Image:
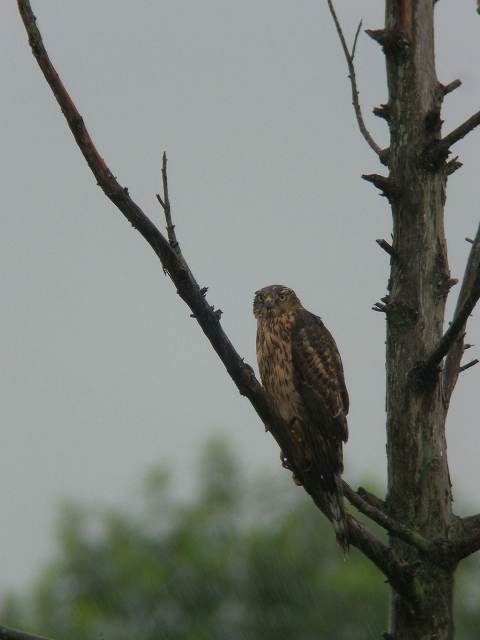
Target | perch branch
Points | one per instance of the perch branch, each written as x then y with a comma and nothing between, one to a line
454,357
353,80
241,373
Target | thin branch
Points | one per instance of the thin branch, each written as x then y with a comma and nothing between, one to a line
426,374
241,373
454,357
393,527
461,131
355,40
371,498
165,203
472,363
353,81
385,185
387,247
437,152
6,633
451,86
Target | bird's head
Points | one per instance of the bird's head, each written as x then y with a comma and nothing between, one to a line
272,301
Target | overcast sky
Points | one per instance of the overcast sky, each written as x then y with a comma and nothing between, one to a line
103,371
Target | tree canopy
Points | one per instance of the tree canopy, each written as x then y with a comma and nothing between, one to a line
209,567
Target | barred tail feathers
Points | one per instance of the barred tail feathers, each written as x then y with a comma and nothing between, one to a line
339,519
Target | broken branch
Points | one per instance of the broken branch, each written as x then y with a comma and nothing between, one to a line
386,247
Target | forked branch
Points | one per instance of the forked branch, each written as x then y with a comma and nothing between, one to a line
165,203
353,81
390,525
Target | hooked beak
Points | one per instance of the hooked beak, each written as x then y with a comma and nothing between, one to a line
269,302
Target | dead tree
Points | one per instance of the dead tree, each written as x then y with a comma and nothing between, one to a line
426,540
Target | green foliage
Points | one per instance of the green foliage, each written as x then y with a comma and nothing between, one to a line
245,560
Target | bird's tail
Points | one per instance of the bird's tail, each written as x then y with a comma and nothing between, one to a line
339,519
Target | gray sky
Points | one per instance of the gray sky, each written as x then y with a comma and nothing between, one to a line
104,373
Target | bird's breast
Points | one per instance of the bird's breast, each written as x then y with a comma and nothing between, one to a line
274,355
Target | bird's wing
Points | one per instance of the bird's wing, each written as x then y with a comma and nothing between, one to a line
318,373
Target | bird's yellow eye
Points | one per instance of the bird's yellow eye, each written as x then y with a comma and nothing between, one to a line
282,297
260,297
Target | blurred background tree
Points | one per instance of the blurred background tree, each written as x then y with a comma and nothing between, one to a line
247,559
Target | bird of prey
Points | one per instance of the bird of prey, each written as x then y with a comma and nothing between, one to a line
302,373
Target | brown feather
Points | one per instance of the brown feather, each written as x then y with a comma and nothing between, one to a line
302,373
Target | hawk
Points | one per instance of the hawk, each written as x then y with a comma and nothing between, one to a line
302,373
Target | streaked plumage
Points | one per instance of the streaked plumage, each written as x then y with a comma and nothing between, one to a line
302,373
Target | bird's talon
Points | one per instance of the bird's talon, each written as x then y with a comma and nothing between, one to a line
297,480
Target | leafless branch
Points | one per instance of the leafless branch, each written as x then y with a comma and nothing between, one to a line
464,542
454,357
453,165
437,152
451,86
6,633
385,185
461,131
401,575
241,373
387,247
371,498
353,81
165,203
472,363
427,373
393,527
470,541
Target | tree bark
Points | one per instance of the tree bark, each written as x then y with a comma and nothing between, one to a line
419,494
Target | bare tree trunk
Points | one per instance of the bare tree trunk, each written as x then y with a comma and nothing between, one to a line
418,479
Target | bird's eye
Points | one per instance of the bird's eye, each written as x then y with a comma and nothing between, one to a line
282,297
260,297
